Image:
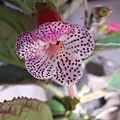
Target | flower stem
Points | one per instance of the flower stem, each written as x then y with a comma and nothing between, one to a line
70,91
85,5
90,22
51,88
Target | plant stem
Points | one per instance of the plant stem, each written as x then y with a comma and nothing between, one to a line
85,4
51,88
70,91
90,21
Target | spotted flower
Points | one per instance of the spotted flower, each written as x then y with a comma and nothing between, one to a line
55,49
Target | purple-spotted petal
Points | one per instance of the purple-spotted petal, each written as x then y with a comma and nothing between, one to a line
41,67
27,47
68,69
52,31
80,42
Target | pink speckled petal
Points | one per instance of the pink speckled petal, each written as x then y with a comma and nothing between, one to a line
68,69
80,42
52,31
41,67
27,47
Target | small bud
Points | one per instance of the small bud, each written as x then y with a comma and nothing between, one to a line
101,12
46,12
113,27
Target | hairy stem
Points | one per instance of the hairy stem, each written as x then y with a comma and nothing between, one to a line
70,91
85,5
51,88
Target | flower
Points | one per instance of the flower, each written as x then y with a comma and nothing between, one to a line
55,49
113,27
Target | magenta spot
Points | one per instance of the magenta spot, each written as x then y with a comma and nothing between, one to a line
72,63
74,75
83,48
75,63
74,79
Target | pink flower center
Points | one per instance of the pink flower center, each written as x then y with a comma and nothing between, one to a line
55,48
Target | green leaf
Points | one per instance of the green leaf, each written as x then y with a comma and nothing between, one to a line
10,74
12,23
26,5
48,4
16,19
13,2
114,81
110,42
57,3
7,44
113,38
69,103
75,101
29,5
56,107
25,109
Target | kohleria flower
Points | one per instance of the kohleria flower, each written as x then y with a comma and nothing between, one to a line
55,49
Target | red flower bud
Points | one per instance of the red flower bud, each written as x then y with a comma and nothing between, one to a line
113,27
47,13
